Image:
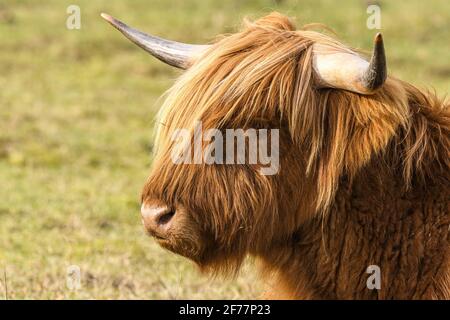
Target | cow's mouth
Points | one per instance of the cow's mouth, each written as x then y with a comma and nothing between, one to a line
156,235
161,239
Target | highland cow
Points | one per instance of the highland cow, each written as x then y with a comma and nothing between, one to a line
364,166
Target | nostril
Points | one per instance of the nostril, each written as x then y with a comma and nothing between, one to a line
157,218
166,217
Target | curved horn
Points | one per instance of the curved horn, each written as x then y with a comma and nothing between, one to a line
176,54
349,71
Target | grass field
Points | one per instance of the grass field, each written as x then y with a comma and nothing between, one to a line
76,116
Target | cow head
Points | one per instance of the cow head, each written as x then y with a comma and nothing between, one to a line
321,96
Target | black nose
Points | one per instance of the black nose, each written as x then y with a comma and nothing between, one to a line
157,219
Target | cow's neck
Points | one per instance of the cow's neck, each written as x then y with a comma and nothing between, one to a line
373,223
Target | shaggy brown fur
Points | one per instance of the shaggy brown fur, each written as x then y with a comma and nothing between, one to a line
364,180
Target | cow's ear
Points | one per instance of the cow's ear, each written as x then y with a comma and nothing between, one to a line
180,55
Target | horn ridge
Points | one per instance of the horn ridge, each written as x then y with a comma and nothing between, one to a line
176,54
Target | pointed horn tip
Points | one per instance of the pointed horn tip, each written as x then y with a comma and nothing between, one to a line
113,21
378,38
107,17
119,25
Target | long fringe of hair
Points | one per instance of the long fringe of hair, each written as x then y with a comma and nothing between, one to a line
264,73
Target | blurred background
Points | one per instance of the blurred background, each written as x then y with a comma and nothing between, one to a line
76,116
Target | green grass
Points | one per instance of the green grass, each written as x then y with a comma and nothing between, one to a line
76,115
